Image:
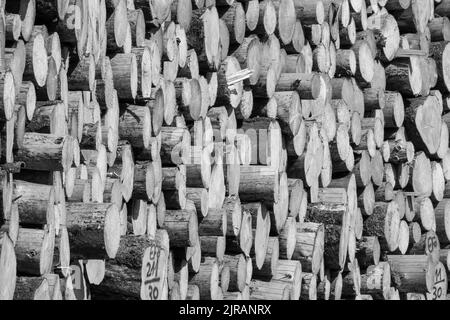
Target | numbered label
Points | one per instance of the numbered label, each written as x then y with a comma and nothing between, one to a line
154,270
432,246
439,291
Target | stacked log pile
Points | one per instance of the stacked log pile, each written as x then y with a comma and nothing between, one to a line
225,149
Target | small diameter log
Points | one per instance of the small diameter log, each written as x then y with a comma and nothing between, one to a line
258,182
309,246
271,290
287,238
244,240
427,245
36,58
125,75
182,227
308,86
213,247
174,185
336,245
32,288
440,51
34,250
200,198
402,78
261,230
230,93
398,151
175,145
368,251
290,272
309,286
214,224
234,18
442,217
336,286
135,125
81,77
394,110
34,201
376,281
420,178
269,267
351,283
248,56
238,271
207,279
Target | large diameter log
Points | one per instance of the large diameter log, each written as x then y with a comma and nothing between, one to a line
46,152
94,229
122,278
413,273
384,223
422,118
440,283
